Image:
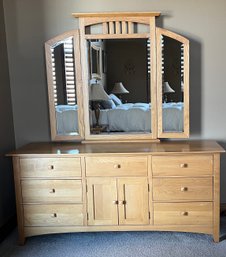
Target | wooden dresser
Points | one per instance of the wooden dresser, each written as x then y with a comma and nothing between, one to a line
166,186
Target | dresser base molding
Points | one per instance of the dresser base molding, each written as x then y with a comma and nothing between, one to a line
171,186
34,231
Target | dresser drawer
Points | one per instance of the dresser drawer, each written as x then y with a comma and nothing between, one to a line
51,191
50,167
197,189
53,215
182,165
183,213
116,166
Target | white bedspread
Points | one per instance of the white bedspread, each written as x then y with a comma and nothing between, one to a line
127,117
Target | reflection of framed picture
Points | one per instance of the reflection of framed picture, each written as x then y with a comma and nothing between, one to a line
95,61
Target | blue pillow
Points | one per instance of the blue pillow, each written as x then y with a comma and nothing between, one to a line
108,104
115,99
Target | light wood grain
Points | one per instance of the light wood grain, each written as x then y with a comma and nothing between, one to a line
183,165
116,166
101,201
51,191
169,189
133,201
115,14
78,84
32,231
53,215
216,204
50,167
161,134
19,206
192,213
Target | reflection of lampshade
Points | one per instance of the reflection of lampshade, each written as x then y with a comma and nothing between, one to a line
97,93
167,88
119,89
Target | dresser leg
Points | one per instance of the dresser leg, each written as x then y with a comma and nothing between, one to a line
216,237
21,240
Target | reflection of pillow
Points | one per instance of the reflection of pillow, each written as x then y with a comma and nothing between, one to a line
115,99
108,104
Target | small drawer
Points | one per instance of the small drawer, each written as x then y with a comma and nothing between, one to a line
116,166
53,215
51,191
50,167
182,165
194,213
197,189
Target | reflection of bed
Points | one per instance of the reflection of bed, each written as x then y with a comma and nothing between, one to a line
125,117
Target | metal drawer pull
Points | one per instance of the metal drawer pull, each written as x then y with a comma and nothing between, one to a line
54,215
52,191
184,189
115,202
51,167
122,202
117,166
184,213
184,165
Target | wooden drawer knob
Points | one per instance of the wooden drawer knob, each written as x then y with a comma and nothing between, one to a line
54,215
117,166
51,167
184,213
52,191
184,189
184,165
122,202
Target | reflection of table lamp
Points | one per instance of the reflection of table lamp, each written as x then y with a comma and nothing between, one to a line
119,89
97,94
167,89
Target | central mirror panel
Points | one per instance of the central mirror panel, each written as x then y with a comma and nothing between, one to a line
119,86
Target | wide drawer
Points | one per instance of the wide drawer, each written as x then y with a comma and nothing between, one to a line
199,189
182,165
50,167
53,215
194,213
116,166
51,191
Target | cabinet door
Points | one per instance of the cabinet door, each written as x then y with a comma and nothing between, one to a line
133,201
102,201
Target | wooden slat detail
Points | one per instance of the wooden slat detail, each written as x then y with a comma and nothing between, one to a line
130,27
117,27
124,27
113,36
105,28
116,14
111,27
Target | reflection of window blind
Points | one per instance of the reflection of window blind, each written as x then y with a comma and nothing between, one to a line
69,72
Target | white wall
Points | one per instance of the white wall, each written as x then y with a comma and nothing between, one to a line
29,23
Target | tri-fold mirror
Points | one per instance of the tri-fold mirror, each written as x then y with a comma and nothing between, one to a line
118,83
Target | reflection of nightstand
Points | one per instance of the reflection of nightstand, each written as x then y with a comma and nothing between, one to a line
99,129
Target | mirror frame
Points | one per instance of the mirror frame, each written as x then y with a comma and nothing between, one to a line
78,86
111,33
161,134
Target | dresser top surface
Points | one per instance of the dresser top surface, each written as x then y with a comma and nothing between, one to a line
204,146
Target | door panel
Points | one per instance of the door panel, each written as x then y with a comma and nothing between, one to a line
133,201
102,201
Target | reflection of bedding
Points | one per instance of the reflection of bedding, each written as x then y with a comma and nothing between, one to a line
67,119
127,117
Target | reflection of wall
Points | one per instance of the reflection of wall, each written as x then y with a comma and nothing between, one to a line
7,203
127,63
172,68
